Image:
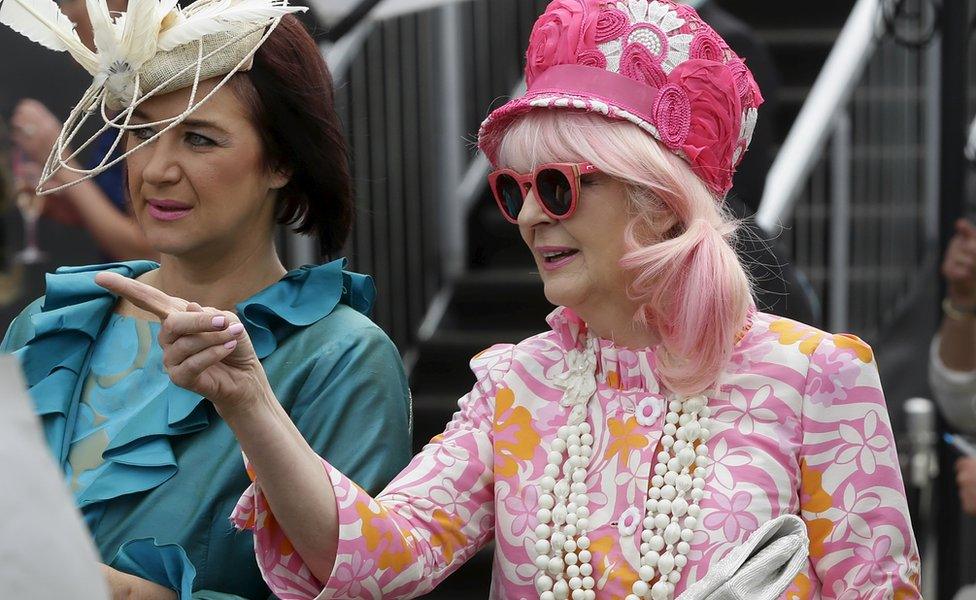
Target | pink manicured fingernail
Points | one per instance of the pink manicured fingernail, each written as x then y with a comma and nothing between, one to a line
235,328
219,322
229,345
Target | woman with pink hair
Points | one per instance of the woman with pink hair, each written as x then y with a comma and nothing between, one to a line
634,447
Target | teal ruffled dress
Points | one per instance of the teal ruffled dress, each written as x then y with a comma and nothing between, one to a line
153,468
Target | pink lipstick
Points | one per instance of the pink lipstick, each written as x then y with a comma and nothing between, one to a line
167,210
556,257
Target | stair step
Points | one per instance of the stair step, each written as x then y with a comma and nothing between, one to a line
511,297
493,241
804,36
770,15
442,363
799,65
431,414
492,277
471,582
906,213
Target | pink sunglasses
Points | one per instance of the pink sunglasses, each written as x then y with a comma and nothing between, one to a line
557,187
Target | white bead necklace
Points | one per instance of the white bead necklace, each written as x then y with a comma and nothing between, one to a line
672,505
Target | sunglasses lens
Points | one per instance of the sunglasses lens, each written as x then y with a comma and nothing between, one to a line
510,193
555,191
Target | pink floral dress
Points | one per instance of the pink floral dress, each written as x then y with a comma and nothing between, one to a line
799,426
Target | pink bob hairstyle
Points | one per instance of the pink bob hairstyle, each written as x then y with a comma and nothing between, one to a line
685,275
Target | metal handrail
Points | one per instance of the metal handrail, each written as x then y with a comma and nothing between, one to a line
832,91
351,20
355,28
971,142
339,54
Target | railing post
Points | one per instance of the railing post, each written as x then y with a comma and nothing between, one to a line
840,220
933,139
450,144
832,90
955,549
301,250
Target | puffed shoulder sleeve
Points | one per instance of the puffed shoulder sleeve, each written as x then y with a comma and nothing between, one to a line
432,517
853,498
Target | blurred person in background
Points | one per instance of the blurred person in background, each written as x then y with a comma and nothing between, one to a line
98,205
952,354
54,78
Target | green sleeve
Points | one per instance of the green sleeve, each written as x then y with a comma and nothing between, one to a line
354,408
21,329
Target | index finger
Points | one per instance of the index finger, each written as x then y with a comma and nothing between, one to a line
144,296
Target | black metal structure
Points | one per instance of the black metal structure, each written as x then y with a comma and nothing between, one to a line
956,563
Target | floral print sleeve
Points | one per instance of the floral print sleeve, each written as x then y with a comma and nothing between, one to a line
430,519
853,501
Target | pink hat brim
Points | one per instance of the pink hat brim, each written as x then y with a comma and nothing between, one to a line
573,87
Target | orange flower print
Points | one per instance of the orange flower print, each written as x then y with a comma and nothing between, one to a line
800,589
377,529
610,568
813,498
848,341
623,440
284,546
515,439
818,530
910,590
448,537
906,593
623,576
613,380
600,547
252,519
274,531
791,332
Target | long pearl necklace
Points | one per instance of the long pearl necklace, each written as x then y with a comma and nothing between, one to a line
672,505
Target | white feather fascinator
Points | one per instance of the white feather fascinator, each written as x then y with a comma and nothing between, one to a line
152,48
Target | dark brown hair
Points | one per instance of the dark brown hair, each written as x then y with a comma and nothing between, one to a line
289,95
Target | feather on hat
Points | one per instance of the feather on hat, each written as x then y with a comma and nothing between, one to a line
152,48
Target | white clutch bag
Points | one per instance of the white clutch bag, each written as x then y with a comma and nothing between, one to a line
761,568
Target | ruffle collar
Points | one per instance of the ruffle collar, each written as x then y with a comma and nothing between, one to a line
302,297
620,368
76,309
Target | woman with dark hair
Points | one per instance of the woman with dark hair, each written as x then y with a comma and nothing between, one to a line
219,151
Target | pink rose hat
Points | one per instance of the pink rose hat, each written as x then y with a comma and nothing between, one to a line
653,63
